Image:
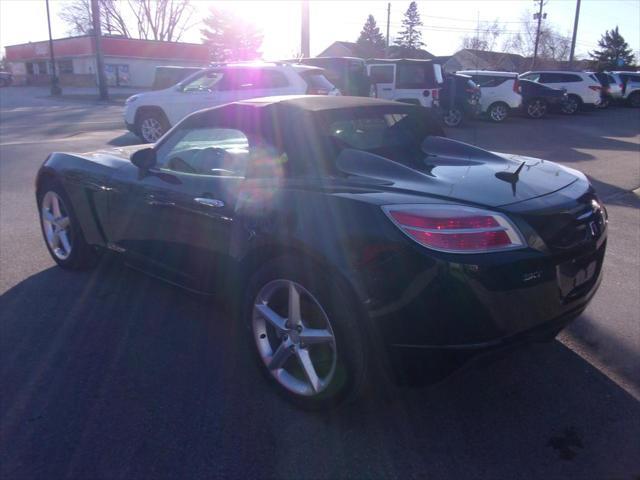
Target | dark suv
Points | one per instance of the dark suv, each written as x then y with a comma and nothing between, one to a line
459,99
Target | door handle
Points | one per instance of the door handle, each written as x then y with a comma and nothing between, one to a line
387,89
209,202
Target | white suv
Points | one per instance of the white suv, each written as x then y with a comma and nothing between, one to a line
149,115
500,92
583,89
630,83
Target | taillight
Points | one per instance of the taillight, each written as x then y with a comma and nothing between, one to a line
456,228
435,94
595,88
516,86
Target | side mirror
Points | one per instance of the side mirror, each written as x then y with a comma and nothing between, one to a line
144,159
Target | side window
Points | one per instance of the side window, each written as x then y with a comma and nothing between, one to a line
252,79
489,81
381,73
550,78
571,78
205,151
534,77
203,82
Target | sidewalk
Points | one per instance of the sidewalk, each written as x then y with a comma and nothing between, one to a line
34,96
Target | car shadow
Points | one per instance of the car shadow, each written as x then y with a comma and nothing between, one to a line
125,140
111,374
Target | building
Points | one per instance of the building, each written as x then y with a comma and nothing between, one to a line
128,62
469,59
352,49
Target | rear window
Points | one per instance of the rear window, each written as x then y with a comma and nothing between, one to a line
316,82
395,133
489,80
415,76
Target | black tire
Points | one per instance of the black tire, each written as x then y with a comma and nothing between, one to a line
453,117
350,377
498,112
572,105
82,255
634,100
151,124
536,108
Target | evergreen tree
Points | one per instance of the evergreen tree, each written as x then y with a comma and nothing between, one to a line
409,39
613,49
370,43
230,38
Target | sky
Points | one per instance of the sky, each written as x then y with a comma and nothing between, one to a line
445,21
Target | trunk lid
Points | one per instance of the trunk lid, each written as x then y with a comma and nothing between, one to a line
458,171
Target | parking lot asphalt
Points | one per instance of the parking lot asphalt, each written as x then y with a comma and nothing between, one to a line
111,374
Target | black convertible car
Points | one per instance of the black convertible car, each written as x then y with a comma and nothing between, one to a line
351,232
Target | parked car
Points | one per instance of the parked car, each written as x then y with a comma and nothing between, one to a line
167,76
583,89
415,82
348,74
351,232
538,99
459,99
630,87
151,114
500,92
6,79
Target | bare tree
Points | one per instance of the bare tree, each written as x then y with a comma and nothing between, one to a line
552,45
77,15
148,19
485,39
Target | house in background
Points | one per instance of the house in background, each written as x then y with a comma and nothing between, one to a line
468,59
352,49
128,62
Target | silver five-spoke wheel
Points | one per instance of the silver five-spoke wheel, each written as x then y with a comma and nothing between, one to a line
294,337
56,225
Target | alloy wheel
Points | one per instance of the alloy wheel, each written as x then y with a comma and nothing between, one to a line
536,109
151,129
452,118
498,113
294,337
570,106
56,224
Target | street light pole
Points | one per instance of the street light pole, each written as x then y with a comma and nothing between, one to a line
388,22
575,34
55,88
97,35
304,41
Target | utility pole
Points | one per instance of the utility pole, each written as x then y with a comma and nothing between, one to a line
575,34
539,17
55,87
305,43
386,50
97,34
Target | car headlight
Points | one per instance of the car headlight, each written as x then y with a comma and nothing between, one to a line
131,99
